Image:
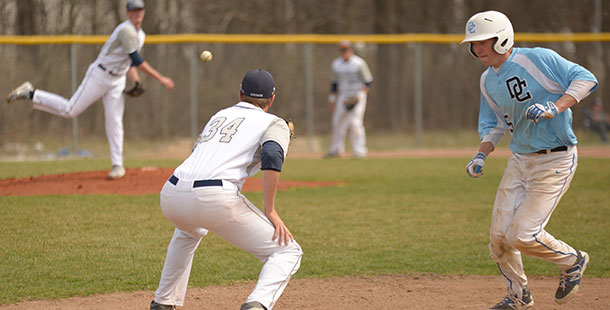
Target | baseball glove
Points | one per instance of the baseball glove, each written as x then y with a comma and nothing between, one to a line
291,127
350,103
136,91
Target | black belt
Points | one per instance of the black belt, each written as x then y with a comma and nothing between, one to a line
199,183
557,149
104,69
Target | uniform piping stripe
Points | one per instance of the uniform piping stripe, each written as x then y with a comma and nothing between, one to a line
501,126
252,207
510,283
565,182
530,67
285,282
80,91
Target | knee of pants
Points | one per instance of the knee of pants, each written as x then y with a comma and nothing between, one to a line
292,250
497,246
71,113
298,253
520,240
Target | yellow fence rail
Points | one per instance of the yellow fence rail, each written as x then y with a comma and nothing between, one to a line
302,38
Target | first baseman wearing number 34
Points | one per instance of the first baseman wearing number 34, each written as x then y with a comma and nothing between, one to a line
204,195
528,92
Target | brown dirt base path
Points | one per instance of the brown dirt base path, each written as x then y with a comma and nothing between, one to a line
139,181
380,292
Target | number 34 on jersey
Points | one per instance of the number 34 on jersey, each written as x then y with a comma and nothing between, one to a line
218,127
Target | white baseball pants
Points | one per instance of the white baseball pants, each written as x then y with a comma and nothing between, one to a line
226,212
352,121
530,190
96,84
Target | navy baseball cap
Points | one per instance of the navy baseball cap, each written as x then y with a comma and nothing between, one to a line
133,5
258,84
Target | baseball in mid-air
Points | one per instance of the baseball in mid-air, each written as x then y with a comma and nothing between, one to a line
206,56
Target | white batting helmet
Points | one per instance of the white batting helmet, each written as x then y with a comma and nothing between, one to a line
487,25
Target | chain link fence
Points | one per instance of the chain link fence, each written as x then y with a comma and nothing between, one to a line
444,76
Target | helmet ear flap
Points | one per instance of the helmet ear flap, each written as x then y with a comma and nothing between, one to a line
500,47
471,49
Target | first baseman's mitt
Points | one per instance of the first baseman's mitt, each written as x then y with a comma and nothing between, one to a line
136,91
350,103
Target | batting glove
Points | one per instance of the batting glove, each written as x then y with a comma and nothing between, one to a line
537,111
475,166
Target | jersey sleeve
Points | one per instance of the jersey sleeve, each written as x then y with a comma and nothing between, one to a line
277,131
492,126
365,73
128,39
333,73
560,69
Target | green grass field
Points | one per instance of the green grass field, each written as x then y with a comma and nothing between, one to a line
390,216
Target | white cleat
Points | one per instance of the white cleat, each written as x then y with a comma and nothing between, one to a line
117,172
20,93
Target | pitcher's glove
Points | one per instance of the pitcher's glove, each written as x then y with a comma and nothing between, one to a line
136,91
291,128
350,103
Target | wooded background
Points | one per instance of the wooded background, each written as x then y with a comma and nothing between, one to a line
450,79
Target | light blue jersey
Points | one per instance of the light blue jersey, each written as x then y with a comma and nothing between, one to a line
529,76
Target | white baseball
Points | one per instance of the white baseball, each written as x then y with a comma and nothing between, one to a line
206,56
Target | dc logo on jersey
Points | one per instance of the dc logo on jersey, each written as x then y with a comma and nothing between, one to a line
516,88
471,26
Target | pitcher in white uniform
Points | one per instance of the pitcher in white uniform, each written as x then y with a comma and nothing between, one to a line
204,195
105,79
347,101
527,92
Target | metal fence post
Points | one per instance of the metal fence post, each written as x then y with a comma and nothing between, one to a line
597,28
194,60
74,86
419,115
309,108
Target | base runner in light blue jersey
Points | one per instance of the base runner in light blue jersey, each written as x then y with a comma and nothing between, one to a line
527,92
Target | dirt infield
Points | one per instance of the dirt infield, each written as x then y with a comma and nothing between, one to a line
140,181
380,292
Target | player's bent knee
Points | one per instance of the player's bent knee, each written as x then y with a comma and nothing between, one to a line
496,238
496,251
71,114
520,241
294,249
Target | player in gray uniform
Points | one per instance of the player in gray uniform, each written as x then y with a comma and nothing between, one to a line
105,79
204,195
347,101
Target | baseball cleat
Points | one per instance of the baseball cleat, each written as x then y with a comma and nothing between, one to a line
569,281
19,93
155,306
117,172
252,305
513,302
